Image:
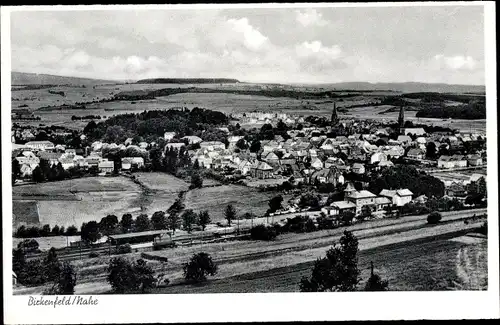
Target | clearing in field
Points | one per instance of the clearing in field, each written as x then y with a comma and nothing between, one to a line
215,200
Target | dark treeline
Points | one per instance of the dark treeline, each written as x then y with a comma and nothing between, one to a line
187,81
153,124
277,92
467,111
55,92
87,117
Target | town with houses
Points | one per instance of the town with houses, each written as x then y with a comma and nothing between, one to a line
308,156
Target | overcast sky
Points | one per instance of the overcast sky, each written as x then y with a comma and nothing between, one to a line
289,45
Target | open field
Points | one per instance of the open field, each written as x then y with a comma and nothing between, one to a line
72,202
162,182
215,200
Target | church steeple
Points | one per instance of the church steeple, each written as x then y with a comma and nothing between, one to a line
401,119
335,117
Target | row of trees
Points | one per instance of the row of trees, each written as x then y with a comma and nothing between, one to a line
44,231
46,173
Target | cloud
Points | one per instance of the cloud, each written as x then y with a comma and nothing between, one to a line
310,17
252,38
458,62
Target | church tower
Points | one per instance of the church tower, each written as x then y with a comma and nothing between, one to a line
401,120
335,117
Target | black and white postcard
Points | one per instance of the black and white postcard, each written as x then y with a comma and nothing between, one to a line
252,162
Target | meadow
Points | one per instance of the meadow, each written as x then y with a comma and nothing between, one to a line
72,202
215,199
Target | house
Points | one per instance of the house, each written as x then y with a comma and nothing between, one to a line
40,145
27,162
360,198
271,158
404,139
414,131
212,145
316,163
378,157
126,163
358,168
415,153
452,161
106,166
233,140
456,190
203,160
169,135
474,160
66,161
334,162
244,167
93,160
338,207
224,129
387,163
51,157
261,170
398,197
192,139
381,202
175,145
327,175
288,159
143,145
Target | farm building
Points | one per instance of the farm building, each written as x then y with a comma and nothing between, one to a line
138,237
169,135
40,145
338,207
398,197
106,166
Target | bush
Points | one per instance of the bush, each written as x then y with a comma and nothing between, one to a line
199,267
434,218
262,232
93,254
28,245
123,249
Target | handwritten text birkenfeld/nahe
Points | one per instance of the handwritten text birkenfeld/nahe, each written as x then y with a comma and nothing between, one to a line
62,301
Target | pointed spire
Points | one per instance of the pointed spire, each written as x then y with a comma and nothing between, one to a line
335,118
401,119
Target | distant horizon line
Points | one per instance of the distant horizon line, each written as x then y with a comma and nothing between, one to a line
257,82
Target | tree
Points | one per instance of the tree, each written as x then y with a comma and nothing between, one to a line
196,181
45,231
230,214
71,231
16,170
199,267
37,175
255,146
242,144
159,220
275,203
90,232
431,150
55,230
188,219
142,222
52,266
375,282
434,218
18,261
108,224
366,213
121,275
346,217
203,219
144,275
338,271
173,221
126,222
